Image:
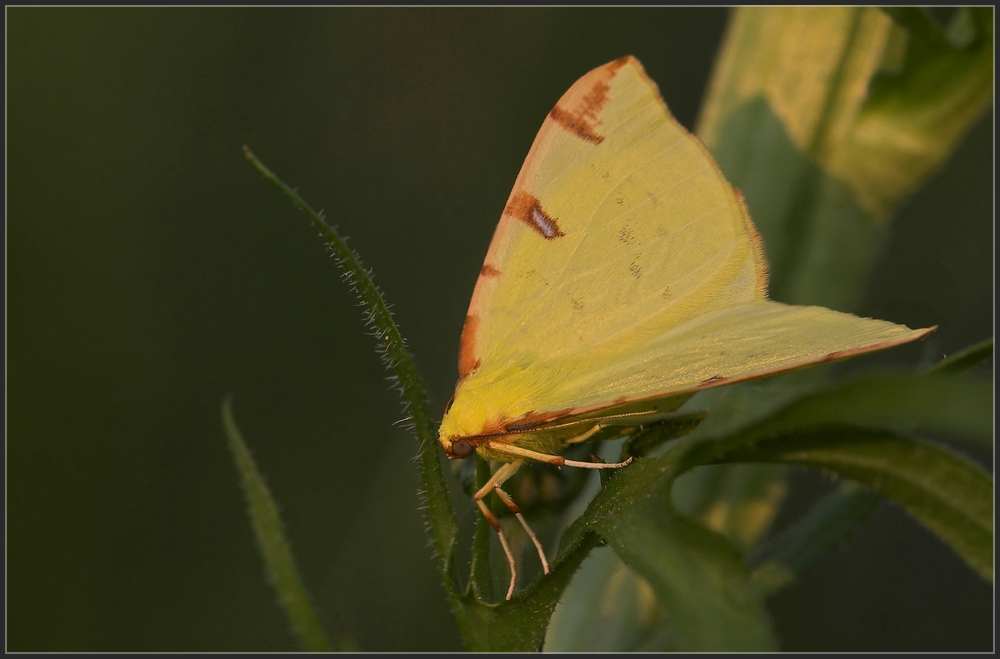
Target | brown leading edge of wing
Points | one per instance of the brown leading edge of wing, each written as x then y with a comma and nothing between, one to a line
468,360
578,110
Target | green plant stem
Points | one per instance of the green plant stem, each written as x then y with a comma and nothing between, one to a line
435,500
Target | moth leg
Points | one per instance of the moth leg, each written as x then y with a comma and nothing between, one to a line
502,474
495,525
556,460
494,483
513,507
506,471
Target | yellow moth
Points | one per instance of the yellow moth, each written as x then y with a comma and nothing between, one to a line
625,275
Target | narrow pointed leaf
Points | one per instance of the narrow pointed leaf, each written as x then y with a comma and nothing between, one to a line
434,490
273,543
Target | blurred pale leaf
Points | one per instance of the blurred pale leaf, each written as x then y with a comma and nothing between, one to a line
877,104
827,118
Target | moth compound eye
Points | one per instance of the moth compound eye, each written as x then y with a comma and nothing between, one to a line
462,448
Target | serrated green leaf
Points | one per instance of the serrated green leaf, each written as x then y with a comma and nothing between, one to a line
940,402
874,406
958,406
946,492
271,539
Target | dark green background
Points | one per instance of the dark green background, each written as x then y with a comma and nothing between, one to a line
151,271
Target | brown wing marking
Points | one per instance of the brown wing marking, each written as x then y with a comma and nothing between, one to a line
468,361
489,271
575,124
582,119
525,206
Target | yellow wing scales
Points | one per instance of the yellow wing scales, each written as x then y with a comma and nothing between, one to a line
625,267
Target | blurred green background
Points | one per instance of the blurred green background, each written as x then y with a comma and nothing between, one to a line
151,270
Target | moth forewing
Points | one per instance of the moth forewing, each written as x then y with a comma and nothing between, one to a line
625,275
